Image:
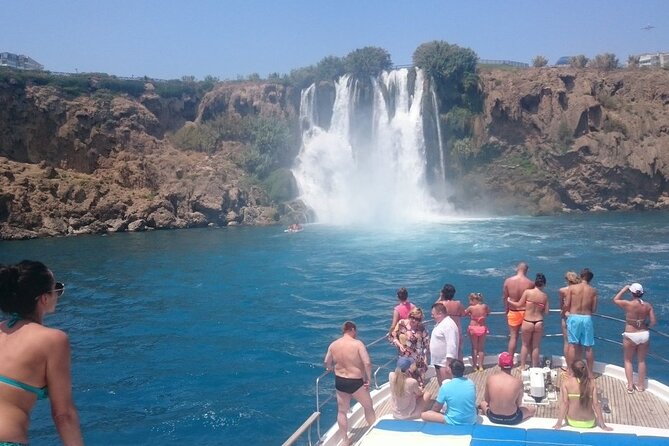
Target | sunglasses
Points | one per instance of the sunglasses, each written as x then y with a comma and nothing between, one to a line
58,288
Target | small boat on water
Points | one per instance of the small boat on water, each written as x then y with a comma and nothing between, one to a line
641,418
296,227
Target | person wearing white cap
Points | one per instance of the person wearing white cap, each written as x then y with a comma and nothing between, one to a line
639,316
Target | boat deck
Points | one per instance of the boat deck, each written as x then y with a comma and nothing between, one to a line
641,409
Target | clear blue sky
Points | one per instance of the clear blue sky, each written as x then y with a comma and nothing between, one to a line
228,38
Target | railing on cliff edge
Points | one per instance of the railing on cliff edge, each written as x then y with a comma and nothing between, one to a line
315,417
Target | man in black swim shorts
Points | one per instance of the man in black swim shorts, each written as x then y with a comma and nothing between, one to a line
504,394
348,385
349,359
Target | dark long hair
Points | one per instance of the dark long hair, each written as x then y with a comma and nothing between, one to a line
21,284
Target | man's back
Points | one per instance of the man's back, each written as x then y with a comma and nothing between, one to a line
346,353
503,393
514,286
582,298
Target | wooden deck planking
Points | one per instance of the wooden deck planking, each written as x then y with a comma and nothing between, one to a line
639,408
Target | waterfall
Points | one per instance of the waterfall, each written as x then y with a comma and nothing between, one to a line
442,160
369,166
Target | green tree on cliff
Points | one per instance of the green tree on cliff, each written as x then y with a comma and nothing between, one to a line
539,61
366,62
330,68
579,61
453,70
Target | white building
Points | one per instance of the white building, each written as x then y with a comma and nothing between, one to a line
19,61
654,60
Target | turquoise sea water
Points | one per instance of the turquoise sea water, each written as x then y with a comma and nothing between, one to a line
213,335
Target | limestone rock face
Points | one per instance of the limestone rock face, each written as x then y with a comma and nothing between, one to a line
95,165
244,99
563,139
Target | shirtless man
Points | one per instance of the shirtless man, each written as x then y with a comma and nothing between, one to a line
504,394
513,289
580,302
349,359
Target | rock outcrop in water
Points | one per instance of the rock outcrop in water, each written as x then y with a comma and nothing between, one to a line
549,140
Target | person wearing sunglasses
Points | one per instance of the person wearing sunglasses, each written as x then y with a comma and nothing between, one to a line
412,339
639,317
34,359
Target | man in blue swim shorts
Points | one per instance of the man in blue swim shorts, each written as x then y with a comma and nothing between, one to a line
580,303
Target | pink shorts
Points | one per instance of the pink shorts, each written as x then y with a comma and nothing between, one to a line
477,330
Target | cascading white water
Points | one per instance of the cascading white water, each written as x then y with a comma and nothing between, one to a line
378,178
442,160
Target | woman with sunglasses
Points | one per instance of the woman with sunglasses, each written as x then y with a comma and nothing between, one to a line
639,317
34,359
412,339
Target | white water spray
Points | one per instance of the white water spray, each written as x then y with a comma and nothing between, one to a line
380,181
442,160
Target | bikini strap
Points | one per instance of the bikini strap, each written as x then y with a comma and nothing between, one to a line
13,319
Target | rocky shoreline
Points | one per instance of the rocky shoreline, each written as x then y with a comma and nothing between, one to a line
548,141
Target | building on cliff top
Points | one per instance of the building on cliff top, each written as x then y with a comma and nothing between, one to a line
19,61
654,60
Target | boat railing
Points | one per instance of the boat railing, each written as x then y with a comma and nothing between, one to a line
315,417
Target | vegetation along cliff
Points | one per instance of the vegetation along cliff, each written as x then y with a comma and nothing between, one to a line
91,153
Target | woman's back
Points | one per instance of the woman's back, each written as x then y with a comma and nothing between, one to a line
478,313
454,309
33,357
23,362
578,411
636,312
535,304
404,404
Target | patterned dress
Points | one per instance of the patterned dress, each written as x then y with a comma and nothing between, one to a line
416,341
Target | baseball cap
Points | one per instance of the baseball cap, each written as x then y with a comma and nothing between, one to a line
636,288
505,360
403,363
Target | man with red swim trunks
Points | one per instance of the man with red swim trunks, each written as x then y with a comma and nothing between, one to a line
513,289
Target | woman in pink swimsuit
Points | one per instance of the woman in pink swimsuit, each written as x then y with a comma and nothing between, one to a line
477,329
401,310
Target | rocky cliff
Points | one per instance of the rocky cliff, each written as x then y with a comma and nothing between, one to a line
552,140
98,163
548,140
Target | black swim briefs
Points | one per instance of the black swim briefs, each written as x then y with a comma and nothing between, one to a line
348,385
506,419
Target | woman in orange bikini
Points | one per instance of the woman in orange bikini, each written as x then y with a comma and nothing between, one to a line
477,329
535,302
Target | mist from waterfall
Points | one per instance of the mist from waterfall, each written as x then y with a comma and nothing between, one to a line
369,165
